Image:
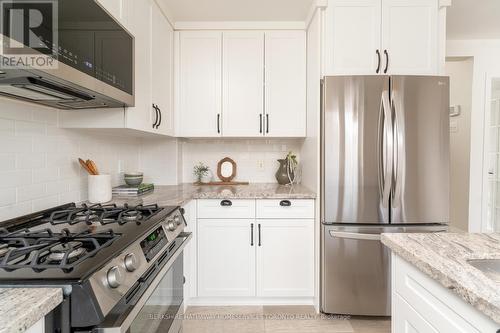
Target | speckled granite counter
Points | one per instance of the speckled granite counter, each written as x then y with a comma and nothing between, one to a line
181,194
443,257
21,308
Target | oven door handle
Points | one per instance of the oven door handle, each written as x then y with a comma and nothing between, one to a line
127,322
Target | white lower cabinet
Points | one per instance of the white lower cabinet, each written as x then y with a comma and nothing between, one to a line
241,256
285,252
226,258
422,305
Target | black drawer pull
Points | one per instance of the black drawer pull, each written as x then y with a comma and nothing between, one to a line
285,203
226,203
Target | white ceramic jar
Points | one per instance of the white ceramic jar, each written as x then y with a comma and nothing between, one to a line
100,190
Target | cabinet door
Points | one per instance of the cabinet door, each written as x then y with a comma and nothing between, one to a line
243,83
285,80
226,257
139,116
352,37
285,258
200,78
162,36
410,36
407,320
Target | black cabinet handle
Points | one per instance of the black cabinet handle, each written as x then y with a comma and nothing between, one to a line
285,203
260,243
159,121
267,123
251,234
260,123
386,61
226,203
156,115
218,123
378,64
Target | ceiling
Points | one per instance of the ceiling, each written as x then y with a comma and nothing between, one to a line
473,19
237,10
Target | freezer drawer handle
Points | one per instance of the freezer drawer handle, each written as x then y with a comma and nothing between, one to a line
226,203
353,235
285,203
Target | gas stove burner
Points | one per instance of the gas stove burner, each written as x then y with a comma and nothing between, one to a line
131,216
73,250
4,248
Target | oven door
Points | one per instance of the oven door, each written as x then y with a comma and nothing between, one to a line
158,305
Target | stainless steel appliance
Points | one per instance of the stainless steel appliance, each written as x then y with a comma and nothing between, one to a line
385,168
94,66
120,267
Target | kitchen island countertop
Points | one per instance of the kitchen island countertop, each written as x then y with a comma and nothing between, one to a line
178,195
443,257
21,308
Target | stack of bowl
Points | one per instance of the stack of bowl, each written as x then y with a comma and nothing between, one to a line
133,178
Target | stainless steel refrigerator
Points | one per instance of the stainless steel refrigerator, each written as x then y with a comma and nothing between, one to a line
385,168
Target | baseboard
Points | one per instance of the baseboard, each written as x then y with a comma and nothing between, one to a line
242,301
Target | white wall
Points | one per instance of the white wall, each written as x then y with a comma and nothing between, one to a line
39,167
460,72
256,159
486,64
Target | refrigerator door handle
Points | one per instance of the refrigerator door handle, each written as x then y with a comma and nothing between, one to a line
385,149
353,235
399,151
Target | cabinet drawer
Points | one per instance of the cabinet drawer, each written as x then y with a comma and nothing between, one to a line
285,208
226,209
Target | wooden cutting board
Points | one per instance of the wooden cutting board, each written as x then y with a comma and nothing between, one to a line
222,183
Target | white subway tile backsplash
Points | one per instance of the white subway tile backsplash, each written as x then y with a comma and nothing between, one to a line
256,159
12,144
45,175
30,192
15,178
8,162
44,203
7,127
30,160
11,211
25,128
7,196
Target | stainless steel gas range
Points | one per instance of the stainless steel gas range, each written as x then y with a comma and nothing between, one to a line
120,267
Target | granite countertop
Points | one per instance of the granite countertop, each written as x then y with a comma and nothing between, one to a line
21,308
443,257
178,195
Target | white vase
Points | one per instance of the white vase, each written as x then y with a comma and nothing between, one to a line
100,188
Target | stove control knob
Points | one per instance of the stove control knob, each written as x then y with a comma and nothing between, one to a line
131,262
177,219
171,226
115,277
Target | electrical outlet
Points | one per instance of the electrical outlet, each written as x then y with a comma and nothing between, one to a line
260,165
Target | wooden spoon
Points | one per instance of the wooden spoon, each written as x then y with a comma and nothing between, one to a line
85,166
92,166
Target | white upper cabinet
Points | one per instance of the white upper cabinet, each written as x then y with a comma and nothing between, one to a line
285,80
382,37
153,72
242,83
162,73
353,39
410,36
200,80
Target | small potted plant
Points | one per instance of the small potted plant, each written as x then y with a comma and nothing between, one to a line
202,173
287,170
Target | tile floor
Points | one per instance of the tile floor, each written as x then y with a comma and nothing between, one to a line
276,319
